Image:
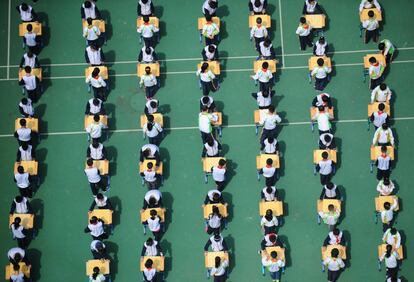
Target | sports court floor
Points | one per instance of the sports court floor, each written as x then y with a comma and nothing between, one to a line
61,248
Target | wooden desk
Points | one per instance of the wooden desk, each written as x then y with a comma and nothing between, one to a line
313,62
314,110
158,262
275,206
29,166
155,69
213,66
261,160
219,121
316,21
383,248
379,202
35,71
89,119
380,58
152,20
143,166
208,209
102,264
101,165
280,252
210,257
32,123
260,115
202,21
326,251
376,152
104,214
27,219
146,214
266,20
98,23
317,155
158,118
103,71
23,268
257,65
363,16
374,108
209,162
37,28
323,205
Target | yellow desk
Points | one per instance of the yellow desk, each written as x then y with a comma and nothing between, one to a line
257,65
208,209
275,206
89,119
143,166
152,20
219,121
316,21
202,21
379,202
146,214
35,71
98,23
383,248
260,115
27,219
374,108
317,155
323,205
37,28
326,251
261,160
313,62
101,165
102,264
155,69
158,118
210,257
213,66
280,252
104,214
376,152
158,262
103,71
314,110
209,162
32,123
363,16
380,58
29,166
23,268
266,20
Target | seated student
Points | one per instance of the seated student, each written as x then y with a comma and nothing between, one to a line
151,248
392,237
20,233
149,82
150,152
154,225
270,146
269,173
20,205
214,197
94,56
98,250
385,187
25,153
31,84
27,13
321,47
304,31
327,142
269,124
325,167
217,243
383,136
213,222
95,106
391,257
219,270
211,148
269,194
17,255
323,99
96,228
207,101
148,31
24,134
95,180
23,182
269,222
311,7
29,59
98,84
151,177
17,275
90,10
210,53
330,191
270,240
210,31
258,32
219,174
149,273
387,215
145,8
32,40
96,151
265,77
257,7
387,49
153,130
273,264
101,202
369,4
152,199
375,71
26,108
97,276
330,217
95,128
383,164
91,33
151,107
381,93
321,74
264,98
379,117
266,50
147,55
210,7
323,118
207,79
334,264
205,121
335,237
371,26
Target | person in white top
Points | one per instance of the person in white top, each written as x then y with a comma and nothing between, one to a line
148,31
392,237
96,276
29,59
334,264
98,84
266,50
95,106
210,31
391,258
96,228
151,248
150,176
217,243
17,275
258,32
269,172
218,173
385,187
381,93
27,13
24,135
214,221
387,48
273,264
149,82
269,222
154,224
31,84
17,255
387,214
376,72
95,180
210,53
90,10
210,7
327,142
369,4
330,191
98,250
325,167
268,194
323,117
269,124
92,33
32,40
257,7
20,205
265,77
321,47
153,130
147,55
270,146
150,151
151,107
95,128
383,136
330,217
20,233
264,98
208,80
152,199
96,151
24,182
101,202
321,74
379,117
311,7
145,8
371,27
94,55
304,31
205,124
151,273
219,270
335,237
383,163
208,101
26,108
25,152
211,148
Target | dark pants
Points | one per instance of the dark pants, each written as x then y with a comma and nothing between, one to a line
34,49
257,42
388,58
99,93
268,230
150,91
386,226
266,85
220,185
155,140
23,242
266,133
210,41
392,272
325,178
222,278
96,186
158,235
33,94
375,82
324,131
211,230
26,192
371,34
305,41
333,276
149,41
152,185
101,237
270,181
206,136
320,83
96,42
383,174
275,275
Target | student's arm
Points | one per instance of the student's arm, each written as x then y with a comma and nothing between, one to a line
21,62
372,117
225,248
262,195
82,13
88,109
21,82
139,10
318,167
254,95
374,140
13,208
102,81
109,204
304,12
152,8
29,207
327,49
157,158
16,135
250,6
361,6
97,13
338,193
272,53
203,54
204,152
19,156
102,54
216,54
207,245
391,137
314,49
322,194
91,208
144,249
206,200
104,154
140,56
265,5
252,30
141,156
87,57
261,171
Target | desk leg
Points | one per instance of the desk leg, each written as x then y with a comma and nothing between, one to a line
371,166
379,265
258,176
314,170
318,218
323,267
200,35
376,217
145,229
313,127
205,178
310,78
368,125
263,270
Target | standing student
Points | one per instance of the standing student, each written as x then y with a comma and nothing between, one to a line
29,59
274,265
257,7
97,276
211,148
151,248
91,33
31,84
327,141
20,205
214,196
20,233
321,47
151,106
207,79
330,191
270,146
150,152
269,172
311,7
219,271
268,194
323,118
391,262
98,250
213,222
209,8
90,10
23,182
96,151
145,8
304,31
269,124
387,49
335,237
266,50
383,136
321,74
17,255
381,93
26,108
95,106
150,176
334,264
25,153
269,222
385,187
205,121
387,215
148,31
371,26
258,32
98,84
210,31
210,53
265,77
152,199
207,101
95,179
153,130
95,128
323,99
96,229
330,217
147,55
379,117
383,164
17,275
217,243
325,167
392,237
94,56
369,4
375,71
264,98
27,13
24,134
154,225
149,82
32,40
218,173
101,202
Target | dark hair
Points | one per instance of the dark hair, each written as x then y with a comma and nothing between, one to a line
150,165
273,254
269,189
320,62
334,253
211,48
29,27
24,101
153,104
147,70
27,69
150,118
204,67
89,162
20,169
99,196
217,261
25,146
95,101
22,122
89,21
93,220
18,199
371,14
329,185
258,20
208,17
95,144
210,142
16,222
388,251
271,109
145,19
149,126
95,273
148,50
372,60
222,162
383,149
96,71
24,7
87,4
96,117
383,86
321,39
269,161
336,231
205,100
381,106
265,65
150,241
267,42
386,181
327,138
324,155
152,201
148,263
153,212
331,207
381,46
393,230
270,139
16,267
387,206
302,20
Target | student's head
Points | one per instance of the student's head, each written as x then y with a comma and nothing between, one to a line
144,1
93,220
384,126
95,144
273,254
29,54
372,60
24,101
208,17
29,28
99,247
95,72
269,162
150,118
17,221
321,40
259,20
146,19
265,65
146,152
271,109
383,149
269,213
150,165
212,4
321,108
257,3
100,196
216,196
215,210
386,181
89,21
320,62
17,257
336,232
217,237
210,142
330,185
18,199
89,162
20,169
87,4
16,267
371,14
24,7
95,273
269,189
27,69
272,238
325,98
147,70
334,253
152,201
265,93
270,139
96,117
205,100
393,231
211,48
381,46
267,42
153,213
149,241
96,102
148,263
94,47
222,162
331,208
148,50
383,86
388,250
204,108
387,206
325,155
217,261
381,107
204,67
23,122
327,138
153,104
302,20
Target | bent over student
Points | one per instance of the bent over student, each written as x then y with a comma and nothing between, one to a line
334,264
219,271
20,233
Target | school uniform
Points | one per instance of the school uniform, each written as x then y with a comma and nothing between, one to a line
18,277
22,207
394,240
365,4
257,10
383,164
148,32
325,169
150,274
211,105
333,193
270,148
92,33
269,124
32,62
32,41
269,173
213,223
219,176
388,51
154,225
378,95
304,31
105,204
216,245
378,118
25,155
334,266
323,120
150,177
99,86
207,9
376,72
269,226
155,134
95,180
273,266
210,32
265,78
96,153
153,155
144,57
208,81
98,253
21,235
23,182
269,197
210,200
333,239
311,9
97,230
317,101
321,75
371,27
210,56
149,81
211,151
24,135
92,12
267,243
220,273
151,251
94,57
391,263
156,194
31,83
27,16
266,53
323,145
13,252
145,9
385,190
26,110
330,218
319,49
383,137
149,110
95,129
387,216
92,109
259,33
262,101
205,121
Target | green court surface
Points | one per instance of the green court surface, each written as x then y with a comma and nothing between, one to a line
61,248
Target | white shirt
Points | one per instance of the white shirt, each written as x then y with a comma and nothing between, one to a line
219,174
205,120
213,150
94,243
330,193
269,197
210,56
151,251
263,101
17,232
26,155
96,82
150,176
375,71
30,39
24,134
370,24
92,174
273,266
302,31
147,58
94,109
29,82
383,136
263,76
91,33
94,56
269,148
221,270
379,118
378,95
153,149
214,221
258,32
367,5
96,153
210,29
383,162
156,129
89,12
99,278
13,251
322,139
394,240
268,171
334,240
150,109
272,222
323,120
270,121
388,215
31,62
206,76
321,72
96,229
329,218
148,80
325,167
207,7
19,277
149,273
147,30
22,180
209,103
216,246
385,190
265,51
310,8
145,8
320,48
334,264
257,9
26,16
21,207
95,129
154,224
156,194
392,261
28,108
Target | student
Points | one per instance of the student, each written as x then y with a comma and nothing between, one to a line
270,240
24,134
321,47
381,93
153,130
147,55
91,33
98,250
94,56
205,121
311,7
391,262
258,32
210,31
219,174
96,276
101,202
150,176
90,10
387,215
98,84
96,228
304,31
95,106
385,187
379,117
207,101
330,217
152,199
323,99
330,191
274,265
95,128
23,182
269,222
17,275
154,225
207,79
334,264
268,194
392,237
214,197
150,83
32,40
266,50
20,233
269,172
327,142
269,124
383,164
211,148
148,31
265,77
219,271
95,180
150,152
264,98
145,8
17,255
96,151
27,13
151,107
383,136
371,26
210,53
25,153
270,146
31,84
325,167
151,248
29,59
149,273
375,71
321,74
369,4
213,222
257,7
20,205
323,118
217,243
209,8
387,49
335,237
26,108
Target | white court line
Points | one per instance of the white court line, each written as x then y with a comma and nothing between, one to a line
8,41
196,127
281,34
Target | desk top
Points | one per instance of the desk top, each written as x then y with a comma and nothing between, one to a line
143,166
23,267
363,16
313,62
146,214
260,115
323,205
104,214
219,121
379,202
280,252
261,160
155,69
275,206
266,20
89,119
376,152
208,209
158,118
98,23
257,65
153,20
317,155
316,21
383,248
380,58
35,71
37,28
326,251
209,162
102,264
213,66
27,219
202,21
103,71
32,123
29,166
101,165
209,258
158,262
314,110
374,108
